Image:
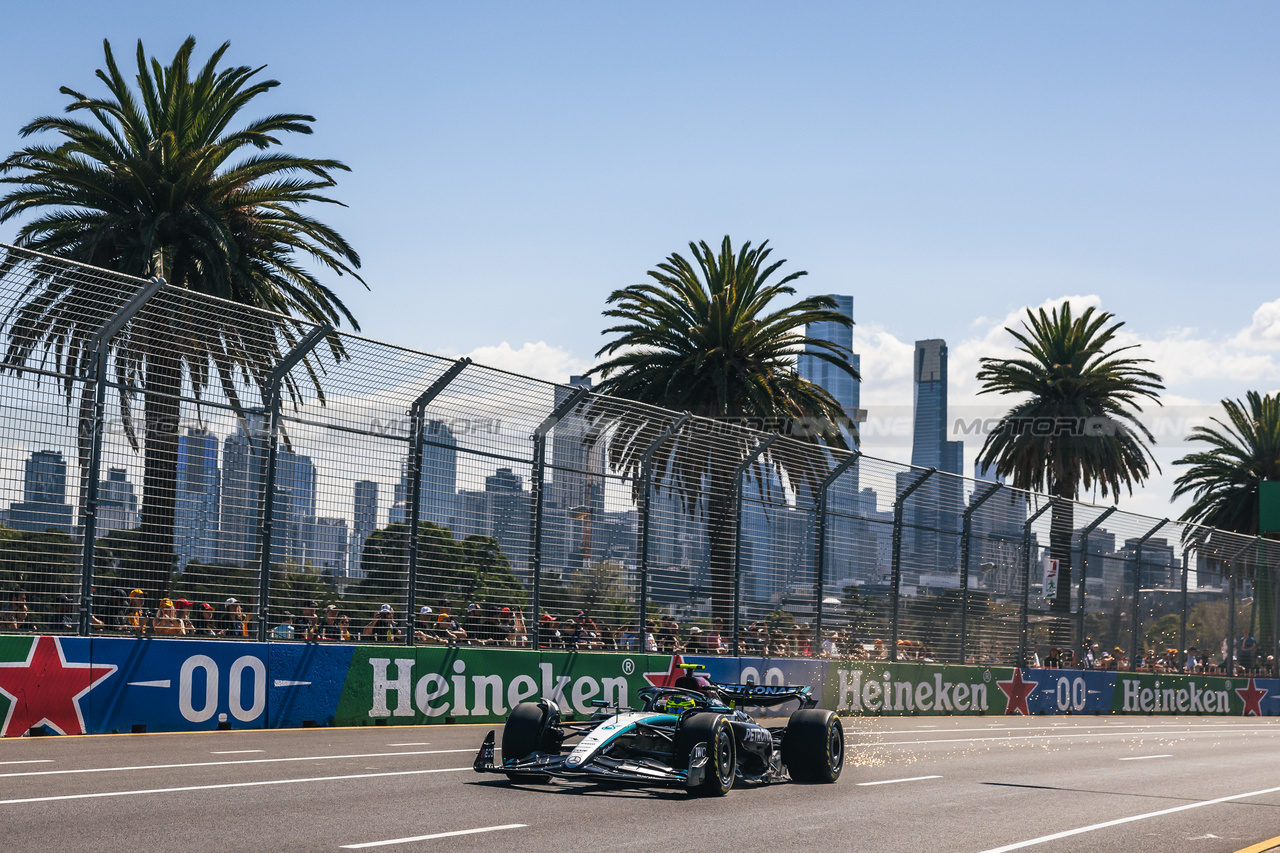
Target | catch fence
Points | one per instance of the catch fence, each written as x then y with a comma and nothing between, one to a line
203,451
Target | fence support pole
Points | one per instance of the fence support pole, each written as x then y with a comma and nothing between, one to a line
99,349
895,592
738,475
1193,546
1137,591
1231,606
1023,613
267,497
1084,570
537,498
417,432
643,509
820,556
966,532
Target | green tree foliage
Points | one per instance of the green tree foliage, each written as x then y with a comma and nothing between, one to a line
158,179
712,337
1240,451
1073,375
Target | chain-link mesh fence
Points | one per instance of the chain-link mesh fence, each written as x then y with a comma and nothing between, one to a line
242,474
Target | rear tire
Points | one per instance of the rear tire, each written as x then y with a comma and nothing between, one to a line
813,747
530,728
722,753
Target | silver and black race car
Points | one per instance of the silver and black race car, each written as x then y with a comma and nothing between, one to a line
695,736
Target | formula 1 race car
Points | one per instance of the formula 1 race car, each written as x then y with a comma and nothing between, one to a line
694,736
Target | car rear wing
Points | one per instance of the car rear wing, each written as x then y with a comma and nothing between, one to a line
767,695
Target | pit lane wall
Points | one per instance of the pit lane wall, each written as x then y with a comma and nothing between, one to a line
73,685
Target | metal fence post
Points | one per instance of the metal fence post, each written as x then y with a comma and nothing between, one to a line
267,497
99,349
643,508
820,534
895,591
1023,613
1231,606
1137,586
739,474
536,500
966,532
1192,547
417,429
1085,532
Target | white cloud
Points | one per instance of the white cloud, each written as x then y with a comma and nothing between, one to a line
540,360
1264,331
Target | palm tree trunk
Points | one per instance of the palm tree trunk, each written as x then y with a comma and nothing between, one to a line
160,464
722,538
1061,525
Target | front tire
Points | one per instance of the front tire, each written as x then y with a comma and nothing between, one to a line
722,753
813,747
531,727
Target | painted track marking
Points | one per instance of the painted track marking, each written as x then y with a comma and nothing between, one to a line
1262,846
1144,757
1044,839
1222,731
223,786
235,751
435,835
424,743
233,763
896,781
31,761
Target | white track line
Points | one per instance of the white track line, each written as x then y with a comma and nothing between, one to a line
429,837
1044,839
32,761
872,742
424,743
233,763
1144,757
222,786
896,781
235,751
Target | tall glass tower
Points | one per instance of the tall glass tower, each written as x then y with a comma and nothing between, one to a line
934,509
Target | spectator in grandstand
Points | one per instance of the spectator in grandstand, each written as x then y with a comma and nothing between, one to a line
329,629
16,617
650,641
233,622
166,622
668,632
383,626
183,608
877,650
136,618
202,619
63,617
1248,652
694,644
116,610
519,629
310,623
425,627
1192,661
715,638
474,624
285,630
344,628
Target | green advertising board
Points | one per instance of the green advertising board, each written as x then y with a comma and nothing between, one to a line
868,687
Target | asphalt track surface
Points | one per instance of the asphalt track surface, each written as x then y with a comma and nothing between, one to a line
937,784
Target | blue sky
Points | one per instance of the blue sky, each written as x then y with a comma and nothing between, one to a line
945,163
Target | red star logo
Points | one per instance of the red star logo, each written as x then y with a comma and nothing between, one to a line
46,690
1252,696
1017,691
668,678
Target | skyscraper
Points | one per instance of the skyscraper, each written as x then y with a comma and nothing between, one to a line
241,487
44,491
438,501
294,512
196,512
117,503
844,523
934,509
365,522
575,495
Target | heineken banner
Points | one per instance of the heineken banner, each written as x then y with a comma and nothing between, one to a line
74,685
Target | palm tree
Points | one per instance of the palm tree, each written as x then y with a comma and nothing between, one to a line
709,338
155,181
1223,479
1077,426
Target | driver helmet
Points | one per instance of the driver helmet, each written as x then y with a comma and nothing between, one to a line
678,704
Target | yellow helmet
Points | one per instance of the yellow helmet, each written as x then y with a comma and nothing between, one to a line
676,704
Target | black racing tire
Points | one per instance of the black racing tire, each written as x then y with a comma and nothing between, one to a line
722,752
529,729
813,747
